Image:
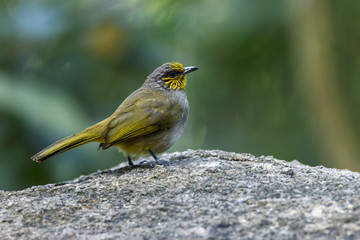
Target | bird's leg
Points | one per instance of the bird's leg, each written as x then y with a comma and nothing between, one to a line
131,164
157,159
141,164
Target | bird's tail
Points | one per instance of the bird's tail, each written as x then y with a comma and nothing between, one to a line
66,144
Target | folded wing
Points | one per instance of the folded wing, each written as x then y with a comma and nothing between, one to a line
144,116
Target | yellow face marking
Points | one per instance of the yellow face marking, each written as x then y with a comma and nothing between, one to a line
179,82
178,67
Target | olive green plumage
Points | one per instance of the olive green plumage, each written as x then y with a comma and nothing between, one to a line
150,120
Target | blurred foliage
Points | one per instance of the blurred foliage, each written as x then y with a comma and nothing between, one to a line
65,65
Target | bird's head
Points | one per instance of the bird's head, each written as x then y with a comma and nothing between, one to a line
171,75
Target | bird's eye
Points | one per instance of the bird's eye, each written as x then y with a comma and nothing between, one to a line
172,74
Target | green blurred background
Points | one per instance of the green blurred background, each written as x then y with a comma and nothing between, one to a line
275,77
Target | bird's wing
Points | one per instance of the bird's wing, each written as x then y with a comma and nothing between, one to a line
147,114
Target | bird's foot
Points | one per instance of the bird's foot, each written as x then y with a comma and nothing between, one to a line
160,162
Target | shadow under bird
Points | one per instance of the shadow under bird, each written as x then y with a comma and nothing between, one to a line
150,120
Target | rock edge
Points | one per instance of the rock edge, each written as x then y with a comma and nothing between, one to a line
202,195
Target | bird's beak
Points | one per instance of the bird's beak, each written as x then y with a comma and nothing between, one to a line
188,70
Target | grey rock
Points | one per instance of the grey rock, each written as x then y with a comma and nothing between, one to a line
200,195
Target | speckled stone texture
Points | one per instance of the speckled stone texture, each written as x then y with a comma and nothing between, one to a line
200,195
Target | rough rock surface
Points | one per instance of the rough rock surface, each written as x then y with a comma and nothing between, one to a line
200,195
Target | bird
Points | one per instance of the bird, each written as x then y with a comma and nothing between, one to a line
149,121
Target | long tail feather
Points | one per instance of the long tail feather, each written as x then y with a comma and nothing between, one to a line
65,144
